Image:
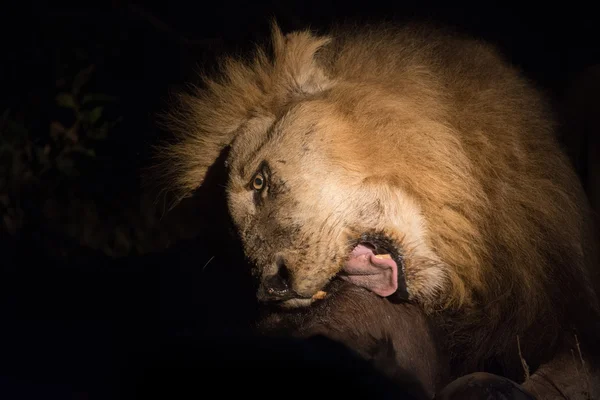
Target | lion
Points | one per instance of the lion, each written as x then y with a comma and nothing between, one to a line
413,162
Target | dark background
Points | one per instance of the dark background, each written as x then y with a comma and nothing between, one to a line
94,274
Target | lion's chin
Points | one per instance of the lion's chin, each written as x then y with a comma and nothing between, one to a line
295,303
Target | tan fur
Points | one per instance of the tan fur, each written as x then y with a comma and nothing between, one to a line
431,138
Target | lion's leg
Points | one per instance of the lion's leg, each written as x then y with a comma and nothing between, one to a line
567,376
481,385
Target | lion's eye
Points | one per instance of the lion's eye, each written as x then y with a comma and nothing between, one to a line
258,183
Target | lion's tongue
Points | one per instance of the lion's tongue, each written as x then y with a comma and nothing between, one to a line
379,275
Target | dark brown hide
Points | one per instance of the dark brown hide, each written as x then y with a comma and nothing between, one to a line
396,338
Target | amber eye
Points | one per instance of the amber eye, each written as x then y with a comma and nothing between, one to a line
258,183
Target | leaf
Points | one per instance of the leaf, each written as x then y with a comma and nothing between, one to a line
98,98
80,149
66,166
42,155
95,114
81,79
56,129
66,100
99,133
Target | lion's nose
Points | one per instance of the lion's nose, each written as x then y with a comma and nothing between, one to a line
277,287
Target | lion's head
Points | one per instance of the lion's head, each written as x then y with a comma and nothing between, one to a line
317,187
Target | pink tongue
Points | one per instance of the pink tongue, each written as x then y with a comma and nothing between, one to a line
379,275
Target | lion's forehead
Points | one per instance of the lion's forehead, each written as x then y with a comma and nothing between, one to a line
299,132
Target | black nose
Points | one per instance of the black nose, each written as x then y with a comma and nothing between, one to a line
277,287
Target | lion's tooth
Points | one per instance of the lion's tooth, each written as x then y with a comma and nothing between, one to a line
382,256
320,295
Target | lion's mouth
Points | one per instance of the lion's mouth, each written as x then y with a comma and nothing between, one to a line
376,264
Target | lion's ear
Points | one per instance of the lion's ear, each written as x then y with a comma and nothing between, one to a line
295,66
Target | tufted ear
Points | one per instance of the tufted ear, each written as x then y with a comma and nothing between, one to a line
295,66
206,119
